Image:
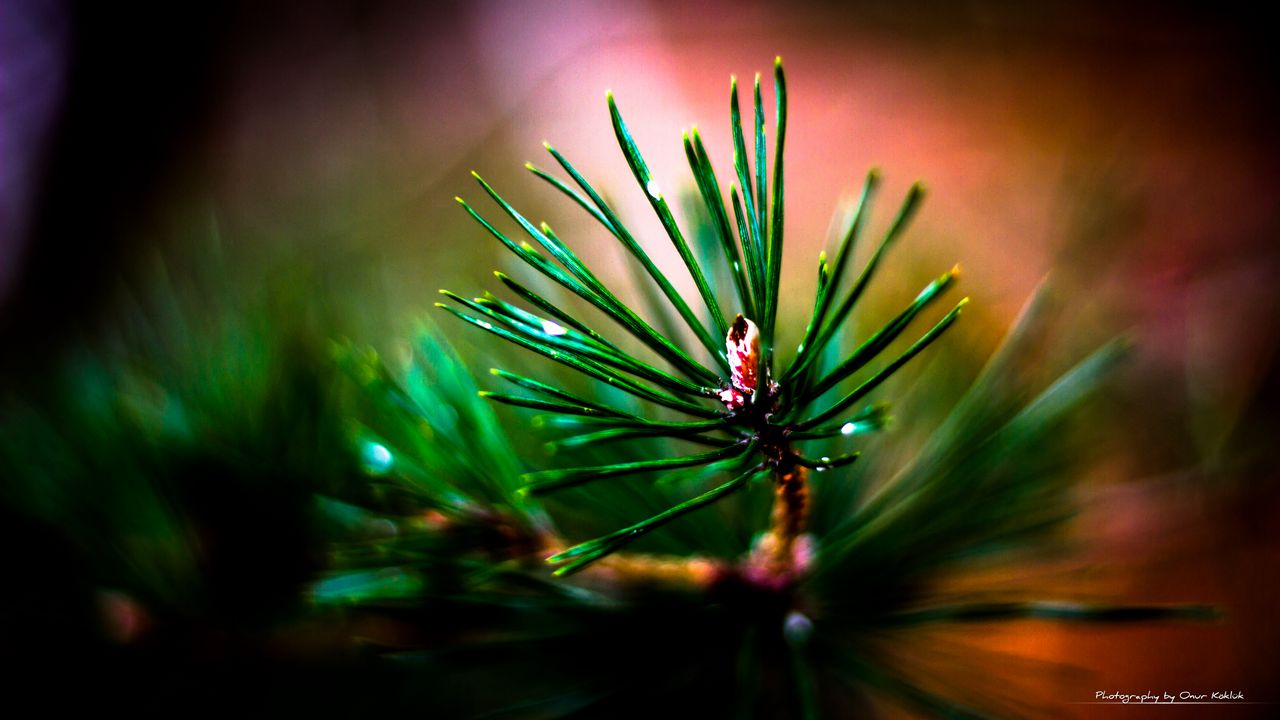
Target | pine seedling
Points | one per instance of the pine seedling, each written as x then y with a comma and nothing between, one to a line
753,412
835,593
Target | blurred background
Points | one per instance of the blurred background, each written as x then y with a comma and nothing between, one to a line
190,194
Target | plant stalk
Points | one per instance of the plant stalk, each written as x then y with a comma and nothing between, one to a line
781,554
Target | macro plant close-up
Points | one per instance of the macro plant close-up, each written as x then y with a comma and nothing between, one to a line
782,428
754,418
694,415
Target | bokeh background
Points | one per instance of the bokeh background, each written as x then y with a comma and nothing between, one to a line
166,172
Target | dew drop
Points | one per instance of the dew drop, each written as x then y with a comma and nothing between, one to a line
652,188
797,627
376,458
848,428
551,328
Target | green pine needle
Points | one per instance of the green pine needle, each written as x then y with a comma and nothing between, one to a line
659,203
875,380
709,188
804,360
881,340
545,481
579,556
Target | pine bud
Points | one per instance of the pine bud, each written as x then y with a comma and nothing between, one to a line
742,346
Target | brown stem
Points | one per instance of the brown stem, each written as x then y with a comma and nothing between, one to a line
687,572
777,553
622,569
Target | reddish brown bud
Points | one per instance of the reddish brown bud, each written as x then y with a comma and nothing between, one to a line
742,345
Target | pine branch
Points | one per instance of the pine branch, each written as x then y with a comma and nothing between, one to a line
759,416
